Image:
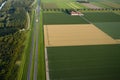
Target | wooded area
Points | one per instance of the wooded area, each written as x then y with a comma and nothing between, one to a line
13,18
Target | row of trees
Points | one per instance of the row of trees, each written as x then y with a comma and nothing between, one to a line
84,9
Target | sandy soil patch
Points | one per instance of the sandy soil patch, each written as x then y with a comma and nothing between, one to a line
73,35
91,6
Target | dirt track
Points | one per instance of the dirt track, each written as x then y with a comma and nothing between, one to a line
73,35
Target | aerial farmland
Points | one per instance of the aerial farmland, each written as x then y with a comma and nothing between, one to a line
82,39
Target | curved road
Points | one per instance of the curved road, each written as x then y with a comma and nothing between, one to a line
2,5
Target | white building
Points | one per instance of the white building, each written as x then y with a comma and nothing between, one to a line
76,13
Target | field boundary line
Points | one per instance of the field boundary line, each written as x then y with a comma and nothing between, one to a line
46,64
87,20
47,33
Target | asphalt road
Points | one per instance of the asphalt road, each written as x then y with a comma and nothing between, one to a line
36,50
34,45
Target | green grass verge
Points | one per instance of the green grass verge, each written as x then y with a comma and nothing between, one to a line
25,53
22,75
41,56
32,68
100,62
20,72
62,18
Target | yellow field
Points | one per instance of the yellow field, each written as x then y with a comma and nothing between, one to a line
75,35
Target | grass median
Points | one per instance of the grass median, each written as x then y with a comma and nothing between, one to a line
41,57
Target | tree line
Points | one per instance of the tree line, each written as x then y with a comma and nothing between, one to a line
82,9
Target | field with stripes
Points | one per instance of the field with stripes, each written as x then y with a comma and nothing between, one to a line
82,47
100,62
74,4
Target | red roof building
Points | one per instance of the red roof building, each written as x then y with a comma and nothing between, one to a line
76,13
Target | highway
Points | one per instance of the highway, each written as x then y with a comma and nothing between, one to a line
33,58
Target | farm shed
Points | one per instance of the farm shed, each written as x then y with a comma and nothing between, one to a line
76,13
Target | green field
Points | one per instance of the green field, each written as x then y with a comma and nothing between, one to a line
68,4
100,5
100,62
49,5
93,17
111,28
64,5
62,18
108,22
102,17
111,4
97,62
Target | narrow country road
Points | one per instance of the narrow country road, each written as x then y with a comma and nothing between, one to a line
37,35
2,5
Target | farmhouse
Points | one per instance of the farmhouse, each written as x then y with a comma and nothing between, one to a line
76,13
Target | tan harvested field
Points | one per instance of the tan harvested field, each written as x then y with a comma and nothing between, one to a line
75,35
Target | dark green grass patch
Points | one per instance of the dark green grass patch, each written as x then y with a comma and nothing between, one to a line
62,18
111,28
100,62
102,17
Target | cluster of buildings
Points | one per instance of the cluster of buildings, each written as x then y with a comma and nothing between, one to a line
76,13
